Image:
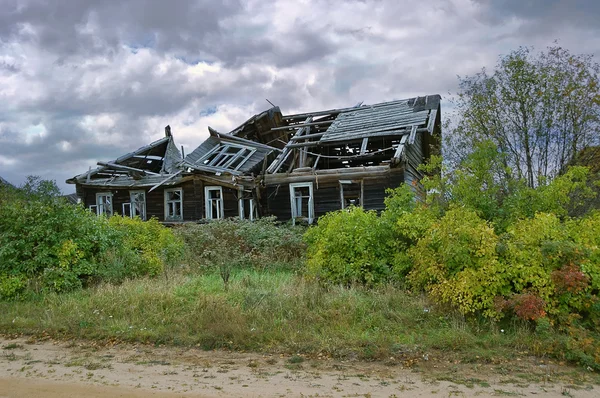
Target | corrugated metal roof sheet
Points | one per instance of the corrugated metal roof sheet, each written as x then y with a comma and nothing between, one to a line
387,118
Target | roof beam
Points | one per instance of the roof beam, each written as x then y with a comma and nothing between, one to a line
282,157
301,125
120,166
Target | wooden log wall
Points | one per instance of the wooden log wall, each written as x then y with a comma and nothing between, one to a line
193,199
275,199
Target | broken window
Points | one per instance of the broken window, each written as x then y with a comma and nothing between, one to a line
174,204
213,202
138,204
104,204
350,193
247,206
301,198
227,156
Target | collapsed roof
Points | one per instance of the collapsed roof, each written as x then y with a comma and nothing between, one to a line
363,135
156,160
356,136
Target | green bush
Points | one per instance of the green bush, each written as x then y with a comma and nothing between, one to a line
47,244
349,246
259,244
456,262
145,248
408,219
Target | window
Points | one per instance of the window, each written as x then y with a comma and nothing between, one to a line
227,156
213,202
247,206
351,193
138,204
104,204
174,204
301,199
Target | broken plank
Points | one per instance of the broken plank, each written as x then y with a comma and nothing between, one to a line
120,166
412,135
363,146
300,125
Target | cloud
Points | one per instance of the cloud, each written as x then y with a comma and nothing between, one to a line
91,80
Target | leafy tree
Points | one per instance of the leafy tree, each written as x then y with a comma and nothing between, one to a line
538,109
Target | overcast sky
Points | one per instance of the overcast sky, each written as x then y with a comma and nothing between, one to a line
83,81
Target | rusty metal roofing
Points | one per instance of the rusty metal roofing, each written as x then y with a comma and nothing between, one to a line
387,118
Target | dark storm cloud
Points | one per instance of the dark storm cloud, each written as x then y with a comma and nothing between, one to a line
545,14
60,25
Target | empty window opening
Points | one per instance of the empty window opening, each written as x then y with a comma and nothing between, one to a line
247,206
213,202
174,204
138,204
351,193
302,202
104,204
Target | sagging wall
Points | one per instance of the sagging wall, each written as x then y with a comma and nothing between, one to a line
275,198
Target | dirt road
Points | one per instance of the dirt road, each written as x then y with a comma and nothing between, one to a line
30,368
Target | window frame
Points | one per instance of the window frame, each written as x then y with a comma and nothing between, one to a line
167,201
217,161
311,202
208,205
252,205
100,208
132,206
350,182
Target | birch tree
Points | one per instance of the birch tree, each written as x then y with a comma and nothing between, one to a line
539,110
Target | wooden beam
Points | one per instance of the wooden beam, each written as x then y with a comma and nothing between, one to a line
165,180
363,146
431,123
400,149
412,135
282,157
340,110
300,125
120,166
347,173
303,144
308,136
316,162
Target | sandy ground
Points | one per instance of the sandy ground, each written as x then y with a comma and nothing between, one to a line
53,369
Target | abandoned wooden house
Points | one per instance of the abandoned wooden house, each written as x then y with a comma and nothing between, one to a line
216,180
343,157
295,167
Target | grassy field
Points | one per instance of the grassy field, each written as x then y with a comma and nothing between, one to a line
274,311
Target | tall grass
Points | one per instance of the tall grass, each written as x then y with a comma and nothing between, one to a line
267,311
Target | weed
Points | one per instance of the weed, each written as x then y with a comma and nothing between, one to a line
295,359
12,346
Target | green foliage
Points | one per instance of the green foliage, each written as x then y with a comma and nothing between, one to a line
456,262
11,285
153,246
408,220
48,244
349,246
539,110
228,243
